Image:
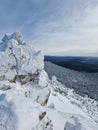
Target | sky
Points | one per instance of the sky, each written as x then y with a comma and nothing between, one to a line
57,27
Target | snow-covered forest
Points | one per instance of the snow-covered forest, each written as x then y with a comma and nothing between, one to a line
83,83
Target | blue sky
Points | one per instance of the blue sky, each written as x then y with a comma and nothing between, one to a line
57,27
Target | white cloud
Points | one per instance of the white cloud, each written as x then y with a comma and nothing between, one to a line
66,27
77,34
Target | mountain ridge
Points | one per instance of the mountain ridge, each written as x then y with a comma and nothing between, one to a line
29,100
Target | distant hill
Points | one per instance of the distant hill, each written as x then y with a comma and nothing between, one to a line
83,83
87,64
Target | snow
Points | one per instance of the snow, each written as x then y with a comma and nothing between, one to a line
82,82
26,110
43,79
7,70
21,59
8,118
27,59
60,102
29,100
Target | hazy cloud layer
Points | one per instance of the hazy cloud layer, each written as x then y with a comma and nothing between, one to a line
58,27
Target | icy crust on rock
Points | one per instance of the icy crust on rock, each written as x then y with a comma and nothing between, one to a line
43,75
4,42
18,58
7,71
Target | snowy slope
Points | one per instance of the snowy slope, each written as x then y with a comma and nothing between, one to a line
20,110
83,83
30,101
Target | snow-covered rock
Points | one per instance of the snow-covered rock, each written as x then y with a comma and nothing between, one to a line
4,43
43,79
8,118
73,124
30,101
45,124
7,70
18,58
43,96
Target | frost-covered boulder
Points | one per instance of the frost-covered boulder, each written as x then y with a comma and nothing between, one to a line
7,70
43,96
28,61
17,36
21,59
43,79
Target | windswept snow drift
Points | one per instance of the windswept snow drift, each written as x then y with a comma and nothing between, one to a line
30,101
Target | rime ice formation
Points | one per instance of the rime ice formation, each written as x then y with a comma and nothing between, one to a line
29,100
18,59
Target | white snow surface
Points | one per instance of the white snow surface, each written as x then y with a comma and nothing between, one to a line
34,102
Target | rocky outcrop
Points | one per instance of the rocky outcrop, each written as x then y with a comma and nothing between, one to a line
22,63
28,99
